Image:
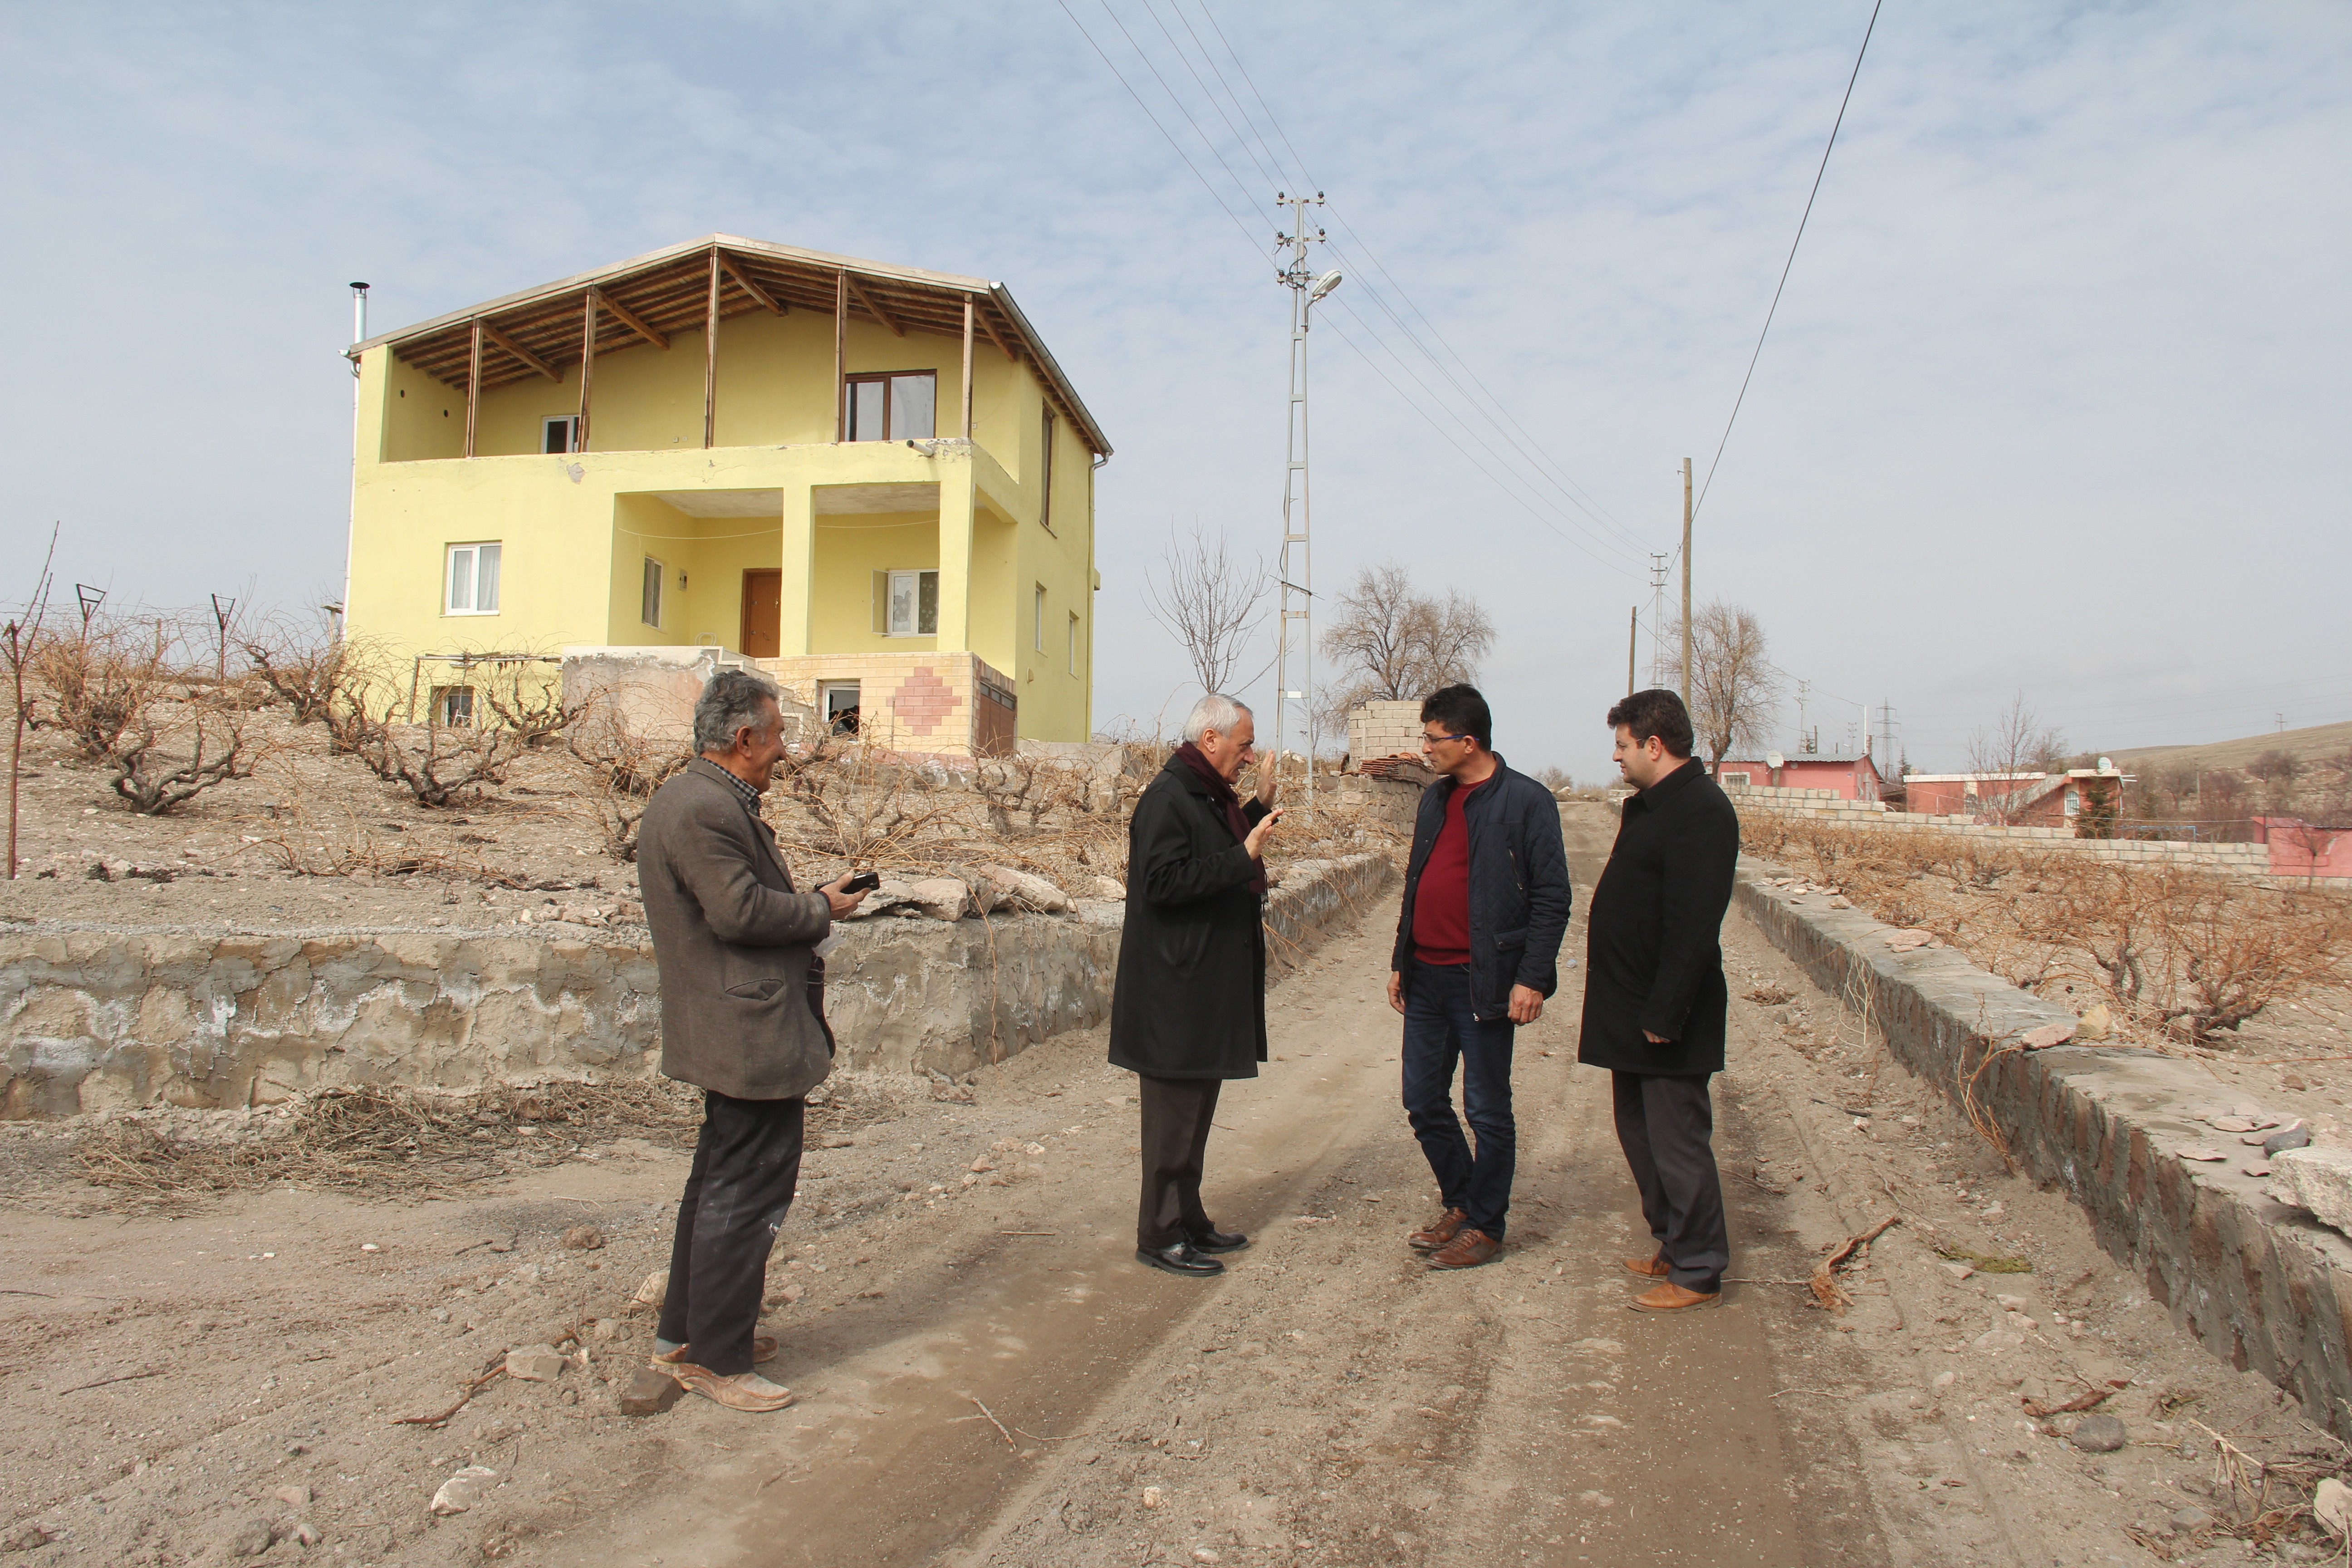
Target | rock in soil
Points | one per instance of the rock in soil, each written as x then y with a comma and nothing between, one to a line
2099,1434
458,1493
648,1393
535,1364
583,1237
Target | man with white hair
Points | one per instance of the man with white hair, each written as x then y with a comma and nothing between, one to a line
1188,1010
743,1010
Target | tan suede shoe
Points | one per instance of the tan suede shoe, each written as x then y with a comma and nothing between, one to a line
763,1348
746,1391
1438,1232
1672,1297
1648,1268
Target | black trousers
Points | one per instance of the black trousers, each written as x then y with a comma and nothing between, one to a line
1176,1116
1665,1124
747,1163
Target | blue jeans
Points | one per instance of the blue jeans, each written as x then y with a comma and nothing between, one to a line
1438,1031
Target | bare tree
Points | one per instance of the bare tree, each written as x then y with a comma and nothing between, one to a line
1394,643
1209,601
22,636
1735,691
2016,744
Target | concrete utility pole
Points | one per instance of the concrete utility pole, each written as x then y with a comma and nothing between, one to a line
1632,642
1659,561
352,527
1297,563
1686,582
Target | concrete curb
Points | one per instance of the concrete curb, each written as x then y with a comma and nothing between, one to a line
2261,1285
96,1019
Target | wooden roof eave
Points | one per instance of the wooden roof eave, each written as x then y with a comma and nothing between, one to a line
669,289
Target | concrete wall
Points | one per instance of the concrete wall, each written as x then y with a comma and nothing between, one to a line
92,1020
1825,806
2264,1286
1384,730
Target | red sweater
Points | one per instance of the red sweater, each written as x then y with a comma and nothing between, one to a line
1441,906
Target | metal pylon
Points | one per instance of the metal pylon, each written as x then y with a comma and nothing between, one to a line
1295,666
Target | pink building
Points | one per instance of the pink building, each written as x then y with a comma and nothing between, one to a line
1853,778
2022,800
2299,850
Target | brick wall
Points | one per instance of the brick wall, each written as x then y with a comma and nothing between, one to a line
936,704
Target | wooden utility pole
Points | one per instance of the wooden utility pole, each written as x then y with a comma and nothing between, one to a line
1633,638
1686,583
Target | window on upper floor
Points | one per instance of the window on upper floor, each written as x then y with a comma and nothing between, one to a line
901,405
650,598
907,604
559,432
470,584
1046,476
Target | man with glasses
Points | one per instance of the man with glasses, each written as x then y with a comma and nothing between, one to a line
1188,1009
1477,947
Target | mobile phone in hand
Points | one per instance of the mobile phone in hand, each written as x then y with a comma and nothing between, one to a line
864,882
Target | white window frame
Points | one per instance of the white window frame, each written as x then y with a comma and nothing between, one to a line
452,707
474,553
571,424
888,582
649,593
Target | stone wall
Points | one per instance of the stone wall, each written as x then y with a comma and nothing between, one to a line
2260,1284
1827,807
93,1019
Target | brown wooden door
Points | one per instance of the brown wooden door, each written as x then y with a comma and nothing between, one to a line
763,611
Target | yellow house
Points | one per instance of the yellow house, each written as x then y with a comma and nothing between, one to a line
872,480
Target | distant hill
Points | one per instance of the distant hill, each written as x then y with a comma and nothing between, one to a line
2319,740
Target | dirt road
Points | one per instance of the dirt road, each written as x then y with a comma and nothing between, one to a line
987,1377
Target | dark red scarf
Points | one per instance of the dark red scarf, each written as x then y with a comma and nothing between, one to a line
1222,793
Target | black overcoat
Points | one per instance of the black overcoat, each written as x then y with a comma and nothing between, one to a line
1189,998
1654,950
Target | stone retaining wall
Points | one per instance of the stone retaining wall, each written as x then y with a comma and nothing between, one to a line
1828,807
2260,1284
97,1018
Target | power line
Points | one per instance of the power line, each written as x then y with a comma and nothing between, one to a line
1792,262
1576,493
1370,331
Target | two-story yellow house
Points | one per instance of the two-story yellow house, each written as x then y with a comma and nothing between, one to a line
873,480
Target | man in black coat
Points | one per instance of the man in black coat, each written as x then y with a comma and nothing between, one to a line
1188,1009
1654,997
1478,951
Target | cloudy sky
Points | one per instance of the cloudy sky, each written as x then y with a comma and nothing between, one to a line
2054,404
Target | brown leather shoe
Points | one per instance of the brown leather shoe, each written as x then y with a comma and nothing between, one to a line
1469,1248
1648,1268
1672,1297
1438,1232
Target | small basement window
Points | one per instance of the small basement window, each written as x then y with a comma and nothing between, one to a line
1730,778
839,700
470,584
453,706
559,432
649,599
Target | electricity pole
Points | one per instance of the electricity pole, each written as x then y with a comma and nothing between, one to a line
1632,641
1297,561
1686,583
1659,560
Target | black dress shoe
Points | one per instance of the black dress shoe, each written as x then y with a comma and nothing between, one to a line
1181,1258
1218,1241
